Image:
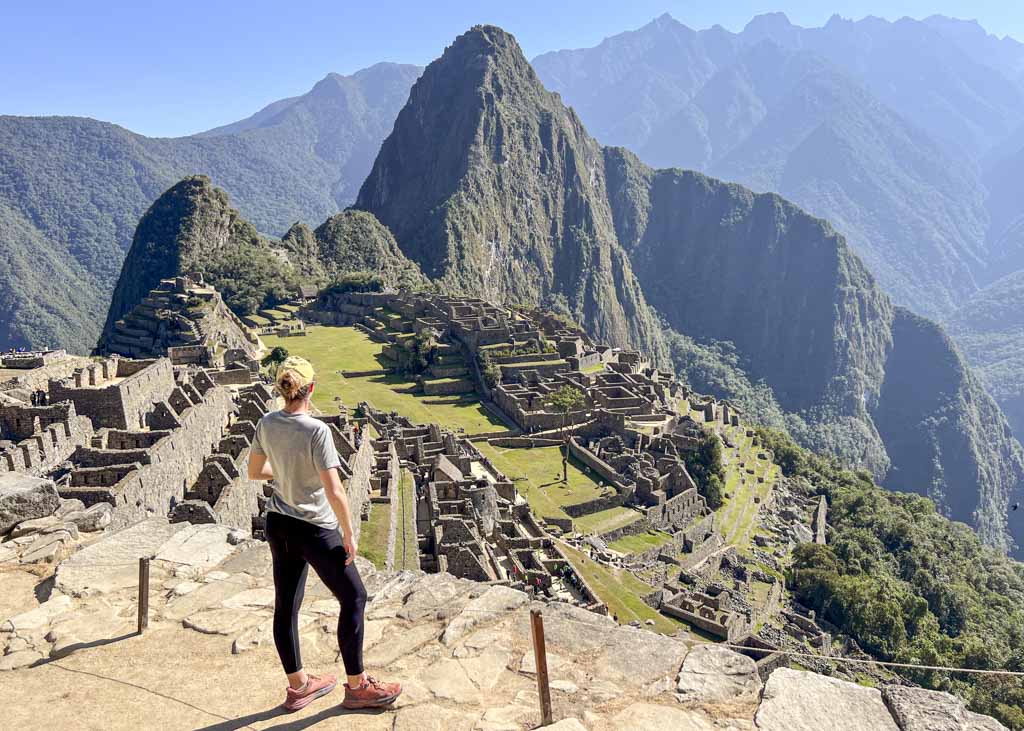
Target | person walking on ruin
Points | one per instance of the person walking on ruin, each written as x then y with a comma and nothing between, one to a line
308,507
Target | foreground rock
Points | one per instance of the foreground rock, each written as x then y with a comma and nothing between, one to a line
917,709
462,649
795,700
23,497
713,674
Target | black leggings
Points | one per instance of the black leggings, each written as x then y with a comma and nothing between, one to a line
295,545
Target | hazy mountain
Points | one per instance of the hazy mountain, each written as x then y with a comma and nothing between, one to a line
73,189
834,118
516,201
990,329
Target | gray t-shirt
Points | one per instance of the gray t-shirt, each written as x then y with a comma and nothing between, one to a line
298,447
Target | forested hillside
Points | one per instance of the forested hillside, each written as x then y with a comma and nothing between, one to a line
72,190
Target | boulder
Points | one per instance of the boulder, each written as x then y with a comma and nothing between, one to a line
795,700
23,497
35,525
72,505
714,674
95,518
917,709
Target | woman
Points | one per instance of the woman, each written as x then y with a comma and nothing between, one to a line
304,514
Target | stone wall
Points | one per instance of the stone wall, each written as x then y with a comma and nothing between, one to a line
591,460
122,404
174,464
820,521
358,485
45,436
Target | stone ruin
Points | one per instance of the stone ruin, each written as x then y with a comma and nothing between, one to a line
470,519
186,321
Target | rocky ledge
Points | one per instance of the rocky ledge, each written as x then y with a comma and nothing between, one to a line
461,648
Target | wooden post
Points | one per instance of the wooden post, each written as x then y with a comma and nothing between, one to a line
540,656
143,594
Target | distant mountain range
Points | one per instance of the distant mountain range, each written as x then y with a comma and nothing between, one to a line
492,186
908,136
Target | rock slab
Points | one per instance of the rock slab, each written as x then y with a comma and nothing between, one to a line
795,700
713,674
23,497
918,709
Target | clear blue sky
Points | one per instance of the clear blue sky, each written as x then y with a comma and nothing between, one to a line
173,68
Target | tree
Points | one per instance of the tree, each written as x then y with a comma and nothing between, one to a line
566,400
274,358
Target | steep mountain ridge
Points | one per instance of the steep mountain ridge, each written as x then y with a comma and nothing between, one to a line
518,201
492,186
872,383
80,186
771,109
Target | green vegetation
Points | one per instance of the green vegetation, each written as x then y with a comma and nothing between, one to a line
274,358
705,467
640,542
334,349
621,591
354,282
909,585
565,401
373,539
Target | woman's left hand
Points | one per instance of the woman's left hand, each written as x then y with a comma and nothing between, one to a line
349,541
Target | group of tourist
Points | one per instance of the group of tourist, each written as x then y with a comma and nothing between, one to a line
40,398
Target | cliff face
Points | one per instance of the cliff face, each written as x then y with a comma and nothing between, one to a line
493,187
945,435
870,382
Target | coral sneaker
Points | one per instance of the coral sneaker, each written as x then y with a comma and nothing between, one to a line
315,687
371,694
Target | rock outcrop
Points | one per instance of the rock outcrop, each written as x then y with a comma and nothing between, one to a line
462,650
23,498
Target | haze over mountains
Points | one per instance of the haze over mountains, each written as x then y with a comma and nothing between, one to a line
907,136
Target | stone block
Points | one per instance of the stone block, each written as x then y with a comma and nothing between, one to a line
23,497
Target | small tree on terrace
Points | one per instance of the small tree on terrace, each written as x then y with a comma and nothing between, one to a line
274,358
566,400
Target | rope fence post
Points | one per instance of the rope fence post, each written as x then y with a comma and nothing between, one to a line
143,594
540,657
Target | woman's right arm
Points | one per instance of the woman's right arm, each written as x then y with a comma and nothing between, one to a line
338,499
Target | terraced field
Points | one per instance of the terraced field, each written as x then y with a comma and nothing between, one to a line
335,349
548,495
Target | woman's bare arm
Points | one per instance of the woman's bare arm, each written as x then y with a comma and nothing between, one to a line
338,499
259,467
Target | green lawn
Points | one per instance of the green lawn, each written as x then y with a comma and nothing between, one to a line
406,558
621,591
373,539
547,494
334,349
606,520
640,542
597,368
